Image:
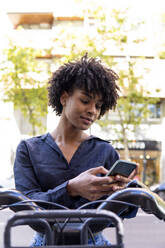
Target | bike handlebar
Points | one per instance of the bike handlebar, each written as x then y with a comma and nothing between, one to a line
11,196
138,194
119,202
141,196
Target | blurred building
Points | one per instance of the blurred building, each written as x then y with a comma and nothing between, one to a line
147,146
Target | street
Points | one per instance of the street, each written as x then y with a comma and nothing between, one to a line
144,231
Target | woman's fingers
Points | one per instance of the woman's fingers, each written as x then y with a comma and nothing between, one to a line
92,187
98,170
120,178
135,172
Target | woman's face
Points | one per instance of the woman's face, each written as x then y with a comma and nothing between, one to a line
80,108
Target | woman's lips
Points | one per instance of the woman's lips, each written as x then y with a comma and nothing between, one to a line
87,121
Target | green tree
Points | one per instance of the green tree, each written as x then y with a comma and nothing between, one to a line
161,48
133,106
23,82
112,29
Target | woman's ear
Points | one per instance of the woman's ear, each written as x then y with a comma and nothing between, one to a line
63,98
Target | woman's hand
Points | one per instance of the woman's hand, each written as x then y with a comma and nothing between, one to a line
122,181
93,187
135,172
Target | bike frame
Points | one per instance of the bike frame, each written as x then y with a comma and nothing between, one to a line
72,216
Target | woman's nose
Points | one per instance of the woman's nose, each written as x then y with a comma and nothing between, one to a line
92,109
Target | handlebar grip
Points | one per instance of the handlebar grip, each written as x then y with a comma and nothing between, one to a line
142,197
10,196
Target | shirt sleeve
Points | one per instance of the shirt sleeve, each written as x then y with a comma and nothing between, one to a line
27,183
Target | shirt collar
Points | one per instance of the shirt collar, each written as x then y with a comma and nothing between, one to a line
50,140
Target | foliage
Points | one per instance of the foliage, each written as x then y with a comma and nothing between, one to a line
20,76
133,105
162,53
161,48
109,31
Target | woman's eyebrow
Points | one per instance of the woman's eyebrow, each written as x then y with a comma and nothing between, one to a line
86,94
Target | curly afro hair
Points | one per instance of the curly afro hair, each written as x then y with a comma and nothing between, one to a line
87,74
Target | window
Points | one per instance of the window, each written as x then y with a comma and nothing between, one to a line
36,26
154,114
155,111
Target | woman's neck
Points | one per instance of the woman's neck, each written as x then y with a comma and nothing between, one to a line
68,134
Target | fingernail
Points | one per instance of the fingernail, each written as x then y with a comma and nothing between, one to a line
113,188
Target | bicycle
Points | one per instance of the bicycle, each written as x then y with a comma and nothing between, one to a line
63,226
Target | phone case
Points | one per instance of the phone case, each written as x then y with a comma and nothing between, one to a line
122,167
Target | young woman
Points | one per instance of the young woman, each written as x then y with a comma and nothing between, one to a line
65,166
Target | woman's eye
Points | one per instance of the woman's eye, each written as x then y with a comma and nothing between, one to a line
84,101
98,106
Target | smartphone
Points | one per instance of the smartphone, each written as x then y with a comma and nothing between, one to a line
122,167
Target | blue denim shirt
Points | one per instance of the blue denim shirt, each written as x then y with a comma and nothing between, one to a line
42,172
